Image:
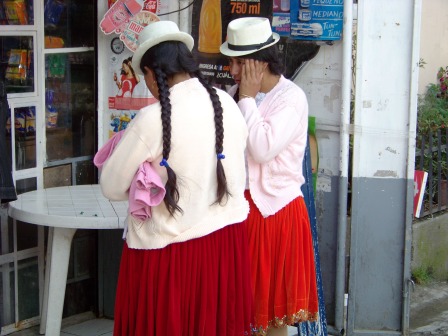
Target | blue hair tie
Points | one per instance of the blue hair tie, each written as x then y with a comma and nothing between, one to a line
221,156
164,163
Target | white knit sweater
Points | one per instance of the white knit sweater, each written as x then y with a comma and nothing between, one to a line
192,157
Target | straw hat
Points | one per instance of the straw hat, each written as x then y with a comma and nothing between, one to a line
155,33
247,35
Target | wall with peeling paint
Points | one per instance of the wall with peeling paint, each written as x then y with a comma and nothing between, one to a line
321,81
382,168
383,131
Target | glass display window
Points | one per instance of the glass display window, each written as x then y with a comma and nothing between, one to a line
69,24
25,185
69,104
48,69
7,300
23,125
17,61
16,12
28,288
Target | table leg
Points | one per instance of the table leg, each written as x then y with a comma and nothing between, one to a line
44,309
58,256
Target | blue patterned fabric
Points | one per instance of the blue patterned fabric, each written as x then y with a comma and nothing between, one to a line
318,328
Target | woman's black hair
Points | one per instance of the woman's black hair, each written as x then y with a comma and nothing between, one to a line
269,55
128,62
167,59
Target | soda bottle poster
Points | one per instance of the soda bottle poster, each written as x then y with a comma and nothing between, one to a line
209,24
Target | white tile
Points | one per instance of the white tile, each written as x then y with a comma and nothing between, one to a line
95,327
86,208
62,212
108,214
292,331
88,213
60,203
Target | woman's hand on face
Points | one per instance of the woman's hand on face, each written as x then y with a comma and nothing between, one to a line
251,77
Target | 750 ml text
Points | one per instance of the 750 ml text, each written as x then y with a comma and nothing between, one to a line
244,8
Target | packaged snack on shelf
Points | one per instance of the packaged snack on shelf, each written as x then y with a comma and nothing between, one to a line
51,116
3,18
20,125
53,10
30,65
55,65
30,10
53,42
16,12
17,64
30,121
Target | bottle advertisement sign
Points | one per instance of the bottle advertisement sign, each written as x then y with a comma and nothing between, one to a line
209,27
319,20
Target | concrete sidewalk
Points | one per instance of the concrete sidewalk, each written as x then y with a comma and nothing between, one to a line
429,316
429,309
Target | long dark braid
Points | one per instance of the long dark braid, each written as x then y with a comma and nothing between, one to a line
222,190
171,191
167,59
236,96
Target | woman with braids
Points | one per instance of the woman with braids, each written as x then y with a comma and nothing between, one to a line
280,242
184,270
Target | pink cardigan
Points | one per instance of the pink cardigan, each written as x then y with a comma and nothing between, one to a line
276,145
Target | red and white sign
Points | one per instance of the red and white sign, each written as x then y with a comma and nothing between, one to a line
420,178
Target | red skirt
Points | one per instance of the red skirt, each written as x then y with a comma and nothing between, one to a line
196,288
283,273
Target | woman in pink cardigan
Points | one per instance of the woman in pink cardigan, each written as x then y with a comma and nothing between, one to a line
280,243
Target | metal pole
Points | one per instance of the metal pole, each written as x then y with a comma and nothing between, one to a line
343,164
412,117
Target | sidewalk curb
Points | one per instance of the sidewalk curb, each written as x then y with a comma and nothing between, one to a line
429,309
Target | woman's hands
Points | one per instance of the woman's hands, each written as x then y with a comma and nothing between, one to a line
251,78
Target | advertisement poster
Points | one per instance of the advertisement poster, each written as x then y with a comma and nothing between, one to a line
318,20
127,91
281,17
209,23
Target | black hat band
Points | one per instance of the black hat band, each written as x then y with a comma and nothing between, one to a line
250,46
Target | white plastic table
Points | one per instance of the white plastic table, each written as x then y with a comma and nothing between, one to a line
63,210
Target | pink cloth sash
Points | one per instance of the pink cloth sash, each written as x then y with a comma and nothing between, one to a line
146,189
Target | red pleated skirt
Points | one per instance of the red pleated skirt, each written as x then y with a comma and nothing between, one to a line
283,273
196,288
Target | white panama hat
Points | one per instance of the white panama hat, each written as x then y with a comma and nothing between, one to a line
155,33
248,35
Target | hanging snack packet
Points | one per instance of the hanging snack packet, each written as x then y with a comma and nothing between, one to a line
15,11
17,65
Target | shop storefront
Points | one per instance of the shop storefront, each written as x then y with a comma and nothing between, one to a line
66,67
48,70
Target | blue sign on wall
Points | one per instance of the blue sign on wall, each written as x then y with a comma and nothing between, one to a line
317,20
